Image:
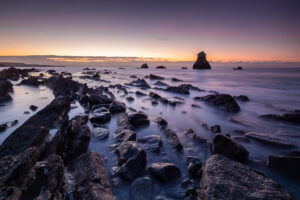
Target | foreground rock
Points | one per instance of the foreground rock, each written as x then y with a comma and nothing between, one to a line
94,184
288,117
222,144
34,132
150,142
132,160
194,166
289,165
141,189
138,119
164,172
5,88
223,102
269,139
173,139
14,73
100,118
226,179
201,62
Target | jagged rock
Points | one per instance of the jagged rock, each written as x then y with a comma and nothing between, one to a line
222,101
132,160
161,67
223,178
138,119
288,117
76,139
10,193
242,98
150,142
141,83
223,144
175,79
100,133
160,83
95,99
201,62
181,89
173,139
5,88
161,121
94,184
125,135
100,118
14,168
144,66
14,73
164,172
269,139
31,81
215,129
287,164
117,107
5,98
155,77
194,166
141,189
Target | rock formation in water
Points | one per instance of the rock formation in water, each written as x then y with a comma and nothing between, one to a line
201,62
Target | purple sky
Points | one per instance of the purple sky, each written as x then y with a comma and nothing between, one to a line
169,30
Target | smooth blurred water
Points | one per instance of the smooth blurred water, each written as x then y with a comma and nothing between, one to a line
271,91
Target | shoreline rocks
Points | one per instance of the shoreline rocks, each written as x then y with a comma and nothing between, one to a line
164,172
269,139
223,102
173,139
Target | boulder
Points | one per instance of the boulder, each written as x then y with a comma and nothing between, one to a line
100,133
223,102
223,144
150,142
181,89
164,172
138,119
269,139
124,135
117,107
223,178
91,185
201,62
132,160
144,66
100,118
5,88
243,98
289,165
173,139
141,189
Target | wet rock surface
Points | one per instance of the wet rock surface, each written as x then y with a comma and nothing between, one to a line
164,172
100,118
150,142
226,179
223,144
223,102
173,139
100,133
269,139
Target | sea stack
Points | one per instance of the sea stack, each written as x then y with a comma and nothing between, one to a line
201,62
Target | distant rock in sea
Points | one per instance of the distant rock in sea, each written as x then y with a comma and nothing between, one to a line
201,62
144,66
238,68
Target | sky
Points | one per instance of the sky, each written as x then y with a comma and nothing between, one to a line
117,31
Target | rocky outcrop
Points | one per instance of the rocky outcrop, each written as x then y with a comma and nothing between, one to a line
94,184
223,102
223,178
223,144
5,88
173,139
164,172
181,89
194,167
132,160
141,83
32,81
201,62
144,66
293,118
269,139
14,73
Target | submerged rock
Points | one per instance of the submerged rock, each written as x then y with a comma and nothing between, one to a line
94,184
100,133
224,102
161,121
227,179
117,107
164,172
150,142
3,127
173,139
269,139
191,134
161,67
201,62
288,117
141,189
33,107
224,145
